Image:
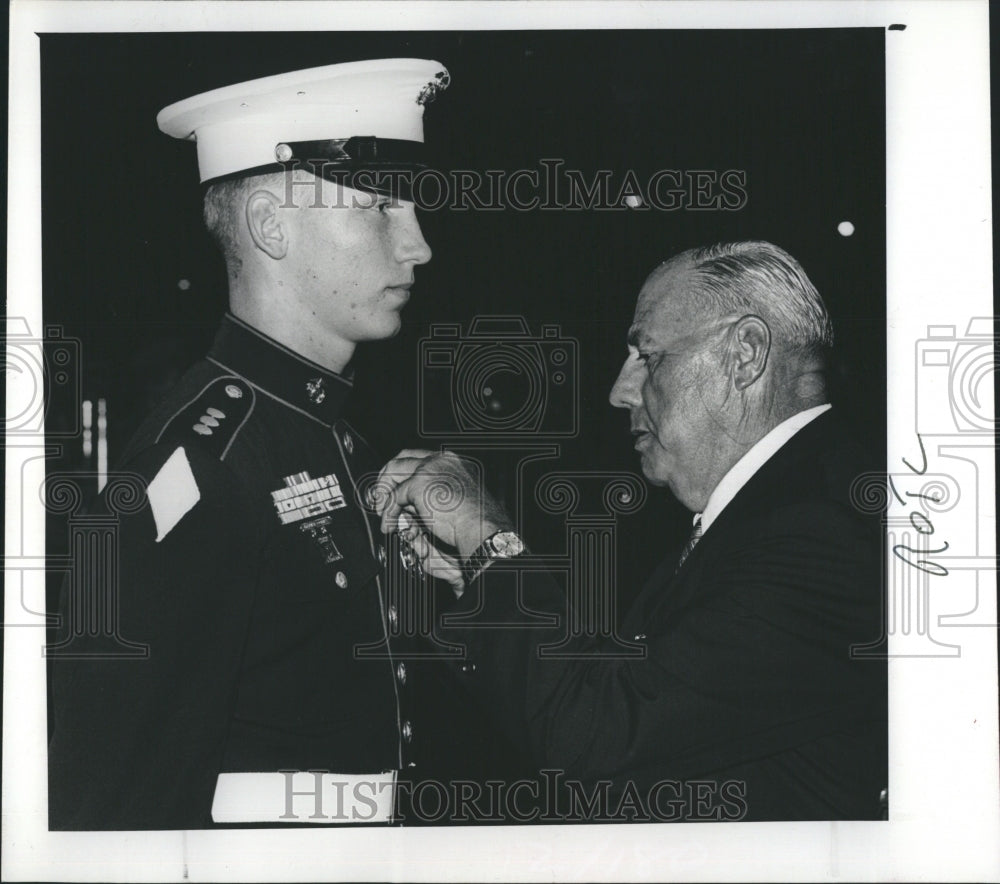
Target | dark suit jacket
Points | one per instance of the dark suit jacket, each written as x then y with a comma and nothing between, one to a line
748,676
266,609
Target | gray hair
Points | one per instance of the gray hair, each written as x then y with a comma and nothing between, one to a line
758,277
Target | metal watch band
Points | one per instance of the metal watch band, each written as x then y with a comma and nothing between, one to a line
499,545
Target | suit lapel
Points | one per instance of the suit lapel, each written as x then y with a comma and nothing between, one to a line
666,592
651,596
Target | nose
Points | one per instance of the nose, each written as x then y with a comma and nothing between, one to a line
410,243
627,390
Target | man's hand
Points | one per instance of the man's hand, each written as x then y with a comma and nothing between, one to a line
438,505
433,559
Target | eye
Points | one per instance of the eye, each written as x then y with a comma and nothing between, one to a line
378,203
643,357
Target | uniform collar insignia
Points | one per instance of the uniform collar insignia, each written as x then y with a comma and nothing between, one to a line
280,372
316,390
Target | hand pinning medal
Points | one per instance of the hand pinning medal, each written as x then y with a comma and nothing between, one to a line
407,532
421,551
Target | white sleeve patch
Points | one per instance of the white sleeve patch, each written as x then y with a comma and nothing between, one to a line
172,493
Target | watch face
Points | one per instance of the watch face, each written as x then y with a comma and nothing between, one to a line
507,544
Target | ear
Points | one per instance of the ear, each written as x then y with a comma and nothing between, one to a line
752,345
267,231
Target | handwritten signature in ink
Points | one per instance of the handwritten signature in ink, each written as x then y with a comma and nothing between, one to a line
921,523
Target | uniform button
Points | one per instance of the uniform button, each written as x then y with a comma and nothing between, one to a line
202,430
348,441
381,553
467,667
393,615
341,580
407,731
401,673
234,392
214,412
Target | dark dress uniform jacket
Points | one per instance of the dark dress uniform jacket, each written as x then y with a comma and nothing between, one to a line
262,605
748,674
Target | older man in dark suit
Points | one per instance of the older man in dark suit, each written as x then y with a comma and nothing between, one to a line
748,683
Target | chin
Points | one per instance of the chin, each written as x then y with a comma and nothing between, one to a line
653,476
657,480
385,330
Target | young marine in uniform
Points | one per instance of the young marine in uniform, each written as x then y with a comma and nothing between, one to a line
256,577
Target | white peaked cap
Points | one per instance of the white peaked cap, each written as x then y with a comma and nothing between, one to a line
238,127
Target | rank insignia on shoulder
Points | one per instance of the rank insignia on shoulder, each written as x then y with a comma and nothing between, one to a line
304,497
214,417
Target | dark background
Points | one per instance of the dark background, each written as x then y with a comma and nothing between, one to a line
801,111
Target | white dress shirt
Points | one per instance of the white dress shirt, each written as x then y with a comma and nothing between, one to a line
752,461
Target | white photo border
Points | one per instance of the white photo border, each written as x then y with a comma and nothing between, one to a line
945,801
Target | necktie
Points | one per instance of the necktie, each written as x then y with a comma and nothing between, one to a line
691,542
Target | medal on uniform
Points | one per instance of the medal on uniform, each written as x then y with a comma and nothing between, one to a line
306,502
319,531
304,497
408,556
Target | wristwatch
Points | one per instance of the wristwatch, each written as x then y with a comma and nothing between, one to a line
501,545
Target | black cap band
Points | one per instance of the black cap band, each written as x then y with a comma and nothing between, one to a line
383,166
360,151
